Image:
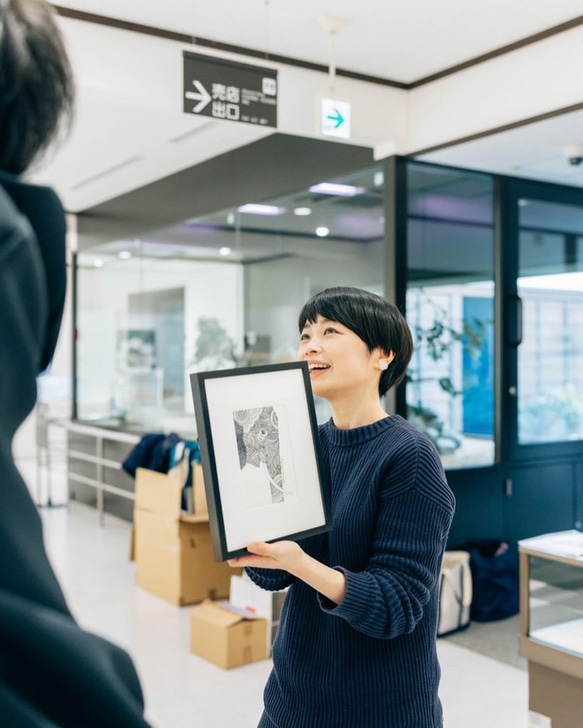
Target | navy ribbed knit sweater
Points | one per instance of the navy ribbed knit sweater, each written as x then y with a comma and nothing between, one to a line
369,662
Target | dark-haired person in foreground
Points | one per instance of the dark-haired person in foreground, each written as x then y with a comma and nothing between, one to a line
52,673
356,644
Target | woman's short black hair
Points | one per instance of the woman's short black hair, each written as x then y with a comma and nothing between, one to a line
377,322
36,83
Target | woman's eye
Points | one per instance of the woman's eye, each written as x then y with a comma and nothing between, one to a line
330,329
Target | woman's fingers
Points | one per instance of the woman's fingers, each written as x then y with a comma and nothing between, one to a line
260,562
260,548
261,556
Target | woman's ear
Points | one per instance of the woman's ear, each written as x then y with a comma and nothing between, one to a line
385,359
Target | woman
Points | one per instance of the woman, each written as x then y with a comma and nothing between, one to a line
51,672
356,645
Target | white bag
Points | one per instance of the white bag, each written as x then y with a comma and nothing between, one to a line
455,593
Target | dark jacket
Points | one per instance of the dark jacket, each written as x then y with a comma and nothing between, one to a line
51,671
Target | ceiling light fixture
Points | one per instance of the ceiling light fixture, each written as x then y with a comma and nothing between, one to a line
302,211
332,188
255,209
225,251
231,218
98,263
124,255
322,232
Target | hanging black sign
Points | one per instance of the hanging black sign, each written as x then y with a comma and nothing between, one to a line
231,91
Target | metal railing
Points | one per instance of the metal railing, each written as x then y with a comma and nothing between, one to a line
100,434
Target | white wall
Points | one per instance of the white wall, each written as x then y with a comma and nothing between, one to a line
130,89
533,80
150,69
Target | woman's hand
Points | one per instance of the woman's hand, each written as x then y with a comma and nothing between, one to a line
289,556
286,555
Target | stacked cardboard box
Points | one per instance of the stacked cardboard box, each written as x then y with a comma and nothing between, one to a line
173,550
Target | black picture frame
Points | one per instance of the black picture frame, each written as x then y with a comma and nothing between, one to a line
218,443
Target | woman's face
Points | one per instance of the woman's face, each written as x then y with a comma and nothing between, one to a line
347,363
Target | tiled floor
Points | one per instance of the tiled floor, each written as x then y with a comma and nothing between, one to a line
183,690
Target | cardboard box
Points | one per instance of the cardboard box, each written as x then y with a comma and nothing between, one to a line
225,637
247,595
198,491
173,550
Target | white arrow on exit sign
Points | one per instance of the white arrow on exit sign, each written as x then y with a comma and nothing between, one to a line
203,97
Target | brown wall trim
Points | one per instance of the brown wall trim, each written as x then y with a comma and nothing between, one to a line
216,45
308,65
499,129
529,40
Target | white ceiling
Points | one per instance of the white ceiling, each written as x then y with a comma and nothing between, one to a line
534,151
403,41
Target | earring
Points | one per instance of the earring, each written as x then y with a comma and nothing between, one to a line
383,365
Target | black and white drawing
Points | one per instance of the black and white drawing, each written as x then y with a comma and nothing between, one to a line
258,443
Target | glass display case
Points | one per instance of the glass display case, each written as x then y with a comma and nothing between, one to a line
551,624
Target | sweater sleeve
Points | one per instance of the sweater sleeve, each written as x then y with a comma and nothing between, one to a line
278,579
387,599
270,579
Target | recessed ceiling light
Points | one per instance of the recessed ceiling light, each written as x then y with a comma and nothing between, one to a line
332,188
301,211
124,255
231,218
98,263
255,209
321,232
225,251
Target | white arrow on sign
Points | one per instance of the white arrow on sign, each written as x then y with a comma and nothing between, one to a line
203,97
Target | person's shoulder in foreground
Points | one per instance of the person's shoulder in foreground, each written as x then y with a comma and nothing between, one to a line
51,671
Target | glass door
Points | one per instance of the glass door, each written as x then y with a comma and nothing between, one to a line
544,319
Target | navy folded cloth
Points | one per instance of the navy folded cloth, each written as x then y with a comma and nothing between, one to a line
151,452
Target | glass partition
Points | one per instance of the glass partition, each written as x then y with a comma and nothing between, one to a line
550,357
214,292
450,309
140,322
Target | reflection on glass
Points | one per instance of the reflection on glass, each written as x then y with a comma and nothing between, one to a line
216,292
450,310
550,357
140,321
556,604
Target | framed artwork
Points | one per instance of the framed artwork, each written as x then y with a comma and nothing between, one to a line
260,454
